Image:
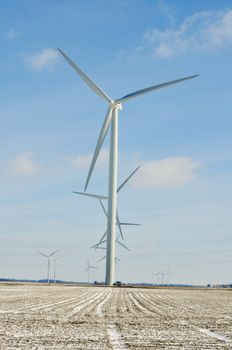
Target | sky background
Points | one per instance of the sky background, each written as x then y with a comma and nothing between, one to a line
181,137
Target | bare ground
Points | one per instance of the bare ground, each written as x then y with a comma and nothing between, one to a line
64,317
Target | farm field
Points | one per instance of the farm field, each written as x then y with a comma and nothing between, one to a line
71,317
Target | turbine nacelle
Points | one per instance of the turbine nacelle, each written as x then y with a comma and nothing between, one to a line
115,104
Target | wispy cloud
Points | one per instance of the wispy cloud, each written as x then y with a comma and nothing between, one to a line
203,31
44,60
24,164
169,172
82,162
12,34
166,10
130,56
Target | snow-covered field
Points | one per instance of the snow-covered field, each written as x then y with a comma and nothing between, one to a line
70,317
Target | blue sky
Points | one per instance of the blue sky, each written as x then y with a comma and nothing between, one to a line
181,136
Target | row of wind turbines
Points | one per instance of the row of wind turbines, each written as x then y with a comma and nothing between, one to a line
109,238
160,277
87,269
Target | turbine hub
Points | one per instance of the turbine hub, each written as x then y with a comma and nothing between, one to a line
115,104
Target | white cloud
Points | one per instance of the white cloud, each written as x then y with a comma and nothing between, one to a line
82,162
24,164
46,59
12,34
169,172
203,31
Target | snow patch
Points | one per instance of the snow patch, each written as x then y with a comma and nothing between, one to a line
115,338
214,335
100,305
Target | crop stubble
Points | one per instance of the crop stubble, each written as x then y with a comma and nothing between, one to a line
71,317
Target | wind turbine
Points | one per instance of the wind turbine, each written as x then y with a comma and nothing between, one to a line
48,266
164,274
111,120
157,275
87,270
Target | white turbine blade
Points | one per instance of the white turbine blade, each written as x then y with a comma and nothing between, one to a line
123,245
101,248
43,254
98,196
103,208
101,138
104,257
127,179
94,246
129,224
100,240
152,88
119,224
97,246
53,253
92,267
88,81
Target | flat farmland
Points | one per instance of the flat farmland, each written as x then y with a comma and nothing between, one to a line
71,317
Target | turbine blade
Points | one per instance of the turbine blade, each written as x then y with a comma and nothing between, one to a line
104,257
129,224
100,240
98,196
94,246
101,138
103,208
127,179
118,223
152,88
53,253
88,81
118,237
123,245
43,254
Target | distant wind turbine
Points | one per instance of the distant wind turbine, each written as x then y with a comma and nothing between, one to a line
87,270
157,275
48,265
111,120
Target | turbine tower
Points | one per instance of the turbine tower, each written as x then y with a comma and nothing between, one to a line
111,121
54,271
48,265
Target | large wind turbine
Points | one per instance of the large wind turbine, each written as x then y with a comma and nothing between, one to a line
111,119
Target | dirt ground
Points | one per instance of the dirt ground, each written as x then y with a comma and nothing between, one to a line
71,317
